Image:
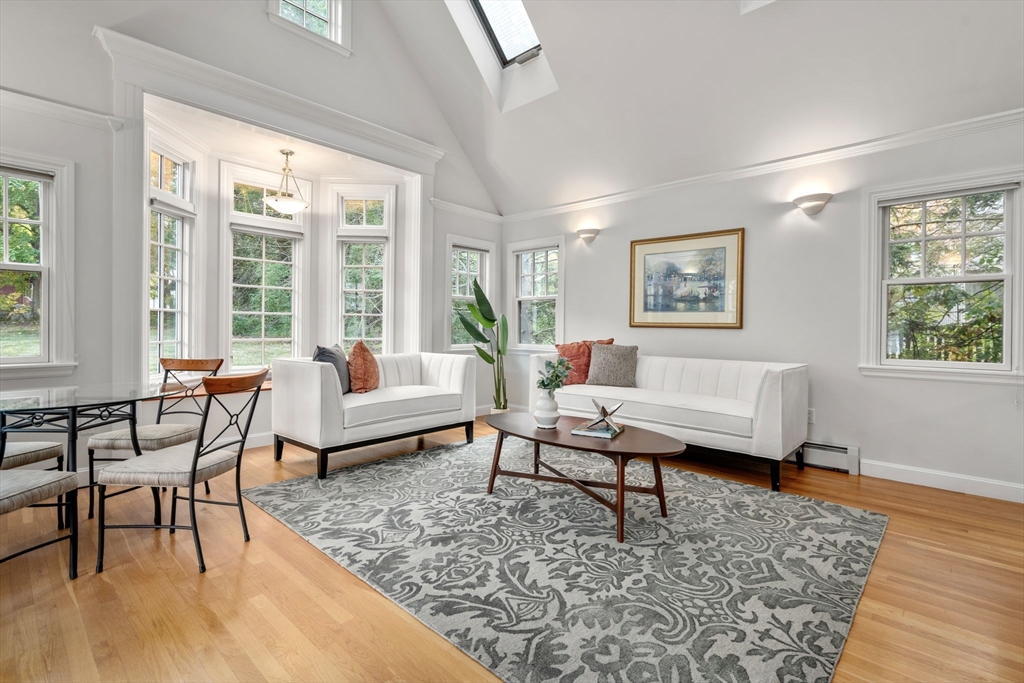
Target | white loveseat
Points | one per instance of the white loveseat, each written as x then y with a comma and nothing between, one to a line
758,409
418,393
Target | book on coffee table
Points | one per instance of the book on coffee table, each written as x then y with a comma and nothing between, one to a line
603,430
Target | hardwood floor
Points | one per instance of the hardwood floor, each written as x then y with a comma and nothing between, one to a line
944,602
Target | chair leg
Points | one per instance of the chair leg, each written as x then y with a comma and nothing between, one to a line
195,526
92,480
278,447
72,517
207,485
60,499
157,516
775,474
102,530
469,432
321,464
174,507
238,497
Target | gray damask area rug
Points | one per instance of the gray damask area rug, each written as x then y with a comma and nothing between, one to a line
738,583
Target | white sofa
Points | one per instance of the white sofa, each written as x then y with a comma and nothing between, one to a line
418,393
758,409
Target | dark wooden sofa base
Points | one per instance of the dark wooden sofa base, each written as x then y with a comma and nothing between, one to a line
774,466
322,453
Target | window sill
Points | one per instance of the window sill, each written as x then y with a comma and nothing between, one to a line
36,370
308,35
531,350
1004,377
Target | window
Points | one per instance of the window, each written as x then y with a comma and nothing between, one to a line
166,288
24,270
534,286
362,294
941,285
509,29
467,265
262,298
326,22
249,200
166,174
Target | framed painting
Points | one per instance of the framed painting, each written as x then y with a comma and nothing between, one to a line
687,280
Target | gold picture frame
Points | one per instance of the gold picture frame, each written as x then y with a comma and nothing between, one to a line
691,280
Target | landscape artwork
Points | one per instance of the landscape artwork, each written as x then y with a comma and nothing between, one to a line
688,280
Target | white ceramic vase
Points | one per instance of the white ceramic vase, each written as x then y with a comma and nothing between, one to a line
546,413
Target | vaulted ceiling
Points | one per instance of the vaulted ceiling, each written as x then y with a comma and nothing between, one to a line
656,91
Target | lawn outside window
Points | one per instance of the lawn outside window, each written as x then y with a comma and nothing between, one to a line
24,267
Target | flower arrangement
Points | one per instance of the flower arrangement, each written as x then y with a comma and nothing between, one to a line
553,375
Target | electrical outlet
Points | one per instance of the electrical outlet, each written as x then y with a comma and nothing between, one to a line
810,416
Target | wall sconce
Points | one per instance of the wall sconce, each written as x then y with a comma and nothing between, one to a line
812,203
587,234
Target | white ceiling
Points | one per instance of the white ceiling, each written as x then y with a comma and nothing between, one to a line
655,91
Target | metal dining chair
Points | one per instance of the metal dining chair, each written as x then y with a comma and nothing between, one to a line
186,465
157,436
21,453
21,488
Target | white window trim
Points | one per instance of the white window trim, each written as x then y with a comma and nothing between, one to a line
337,193
298,229
339,26
874,243
59,243
511,249
489,284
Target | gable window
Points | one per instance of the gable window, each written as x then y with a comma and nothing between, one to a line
24,269
535,270
327,22
470,260
509,29
946,281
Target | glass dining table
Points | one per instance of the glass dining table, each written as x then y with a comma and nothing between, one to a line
72,410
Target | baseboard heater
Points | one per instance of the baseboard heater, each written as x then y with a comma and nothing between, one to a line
833,456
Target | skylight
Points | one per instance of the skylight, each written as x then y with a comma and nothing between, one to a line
508,26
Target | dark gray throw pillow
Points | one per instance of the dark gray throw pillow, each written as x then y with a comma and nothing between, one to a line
336,357
612,366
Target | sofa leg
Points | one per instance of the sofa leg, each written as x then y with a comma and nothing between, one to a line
278,447
469,432
775,468
321,464
800,458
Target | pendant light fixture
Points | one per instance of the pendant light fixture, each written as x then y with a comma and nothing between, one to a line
284,201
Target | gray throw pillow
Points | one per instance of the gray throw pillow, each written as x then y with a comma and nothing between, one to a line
336,357
612,366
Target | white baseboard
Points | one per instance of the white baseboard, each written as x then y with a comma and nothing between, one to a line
962,483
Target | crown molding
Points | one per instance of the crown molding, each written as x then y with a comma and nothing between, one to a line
129,53
57,110
450,207
1014,117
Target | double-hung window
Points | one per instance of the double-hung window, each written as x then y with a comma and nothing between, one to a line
266,252
946,281
327,22
536,311
469,262
24,267
365,220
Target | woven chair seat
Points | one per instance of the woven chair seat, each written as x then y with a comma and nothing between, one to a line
18,453
151,437
21,488
167,467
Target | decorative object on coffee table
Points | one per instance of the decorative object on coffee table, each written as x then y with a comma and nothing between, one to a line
553,377
495,335
602,426
687,280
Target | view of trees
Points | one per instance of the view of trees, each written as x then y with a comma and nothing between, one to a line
20,290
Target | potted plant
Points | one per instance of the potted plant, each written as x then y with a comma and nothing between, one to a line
552,377
495,335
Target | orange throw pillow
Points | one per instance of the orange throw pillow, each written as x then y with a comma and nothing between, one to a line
362,369
578,355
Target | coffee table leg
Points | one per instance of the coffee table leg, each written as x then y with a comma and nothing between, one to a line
536,457
494,465
620,500
656,462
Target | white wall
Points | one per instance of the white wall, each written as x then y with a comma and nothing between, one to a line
802,304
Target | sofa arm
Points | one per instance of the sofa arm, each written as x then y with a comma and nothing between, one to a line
452,372
306,402
780,418
536,367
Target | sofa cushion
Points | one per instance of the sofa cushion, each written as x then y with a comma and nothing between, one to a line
612,365
363,373
335,355
391,403
578,355
692,411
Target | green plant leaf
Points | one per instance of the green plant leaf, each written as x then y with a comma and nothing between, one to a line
503,342
480,316
473,330
482,303
486,356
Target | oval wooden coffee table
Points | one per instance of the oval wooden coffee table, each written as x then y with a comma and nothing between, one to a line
634,442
